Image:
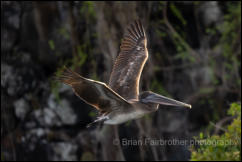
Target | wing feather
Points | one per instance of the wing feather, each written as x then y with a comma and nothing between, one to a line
129,64
94,93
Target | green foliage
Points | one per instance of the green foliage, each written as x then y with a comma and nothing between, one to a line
54,86
158,88
177,13
88,156
92,114
183,54
235,110
224,147
230,36
94,76
147,117
128,123
63,32
2,156
206,90
160,33
81,57
52,45
182,48
88,9
230,42
211,31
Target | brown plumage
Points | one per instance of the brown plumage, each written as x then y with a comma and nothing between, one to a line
94,93
120,101
129,64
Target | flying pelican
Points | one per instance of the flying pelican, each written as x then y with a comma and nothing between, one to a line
120,101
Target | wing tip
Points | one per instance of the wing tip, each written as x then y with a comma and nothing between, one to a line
140,26
136,30
67,76
134,33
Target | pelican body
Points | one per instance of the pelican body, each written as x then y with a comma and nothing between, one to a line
120,100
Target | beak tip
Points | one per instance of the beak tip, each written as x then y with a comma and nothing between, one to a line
190,106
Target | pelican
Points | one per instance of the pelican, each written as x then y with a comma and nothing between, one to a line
120,100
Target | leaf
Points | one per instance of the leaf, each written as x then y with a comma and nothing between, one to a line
177,13
51,44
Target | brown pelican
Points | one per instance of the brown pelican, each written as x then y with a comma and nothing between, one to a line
121,101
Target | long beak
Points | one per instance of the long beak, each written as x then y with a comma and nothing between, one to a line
162,100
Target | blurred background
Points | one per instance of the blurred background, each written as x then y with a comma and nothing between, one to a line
194,56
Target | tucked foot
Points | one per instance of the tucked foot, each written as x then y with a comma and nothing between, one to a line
99,119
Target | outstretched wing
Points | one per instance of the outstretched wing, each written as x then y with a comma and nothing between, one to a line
129,64
94,93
